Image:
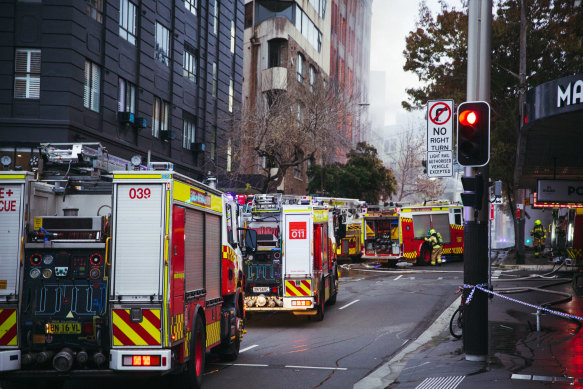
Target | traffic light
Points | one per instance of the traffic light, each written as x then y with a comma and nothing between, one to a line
475,188
473,133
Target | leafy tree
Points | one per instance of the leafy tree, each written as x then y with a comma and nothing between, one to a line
363,177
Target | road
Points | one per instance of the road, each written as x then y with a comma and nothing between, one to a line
377,312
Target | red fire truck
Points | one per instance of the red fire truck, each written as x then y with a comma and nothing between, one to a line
309,273
138,271
396,234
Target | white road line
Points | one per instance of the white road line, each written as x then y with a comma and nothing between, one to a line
398,277
439,278
315,367
242,364
248,348
411,278
349,304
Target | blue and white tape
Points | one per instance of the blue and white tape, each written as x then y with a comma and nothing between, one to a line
482,287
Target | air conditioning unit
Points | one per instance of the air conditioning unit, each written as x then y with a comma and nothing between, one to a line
126,117
167,135
141,123
197,146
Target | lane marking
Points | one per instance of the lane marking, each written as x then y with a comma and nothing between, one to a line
242,364
315,367
349,304
248,348
398,277
439,278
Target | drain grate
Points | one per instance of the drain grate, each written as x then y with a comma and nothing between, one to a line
441,382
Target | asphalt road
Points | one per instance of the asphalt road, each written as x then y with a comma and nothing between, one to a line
378,311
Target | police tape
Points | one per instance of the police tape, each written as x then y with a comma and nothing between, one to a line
483,289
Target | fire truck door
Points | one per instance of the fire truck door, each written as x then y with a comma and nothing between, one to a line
297,255
11,222
177,277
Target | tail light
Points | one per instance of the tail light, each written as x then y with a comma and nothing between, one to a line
87,328
141,360
274,289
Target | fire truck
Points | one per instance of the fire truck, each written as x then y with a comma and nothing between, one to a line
397,233
302,235
350,222
123,272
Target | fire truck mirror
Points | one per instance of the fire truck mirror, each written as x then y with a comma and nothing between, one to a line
250,240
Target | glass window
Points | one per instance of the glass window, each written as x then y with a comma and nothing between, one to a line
232,36
27,74
231,92
191,5
229,155
214,91
159,117
213,143
313,74
127,21
127,96
189,64
92,86
301,67
162,50
189,128
274,47
216,18
95,9
298,171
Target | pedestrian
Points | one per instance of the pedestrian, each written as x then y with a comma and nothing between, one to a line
561,231
434,238
540,237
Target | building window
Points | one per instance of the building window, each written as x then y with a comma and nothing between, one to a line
214,91
92,86
313,75
232,36
189,128
298,171
213,143
216,18
95,9
191,5
127,96
27,74
189,64
162,50
231,92
229,155
274,47
127,21
159,117
301,67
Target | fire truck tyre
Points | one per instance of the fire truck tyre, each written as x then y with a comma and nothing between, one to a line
230,352
320,309
333,290
192,377
425,257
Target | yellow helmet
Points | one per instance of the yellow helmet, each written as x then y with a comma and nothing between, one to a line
537,223
432,231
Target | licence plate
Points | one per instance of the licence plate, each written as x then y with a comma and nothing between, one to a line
64,328
260,289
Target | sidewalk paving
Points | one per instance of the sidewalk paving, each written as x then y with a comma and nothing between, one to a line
518,355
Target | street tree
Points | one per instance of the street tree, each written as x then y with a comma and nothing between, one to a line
363,177
285,129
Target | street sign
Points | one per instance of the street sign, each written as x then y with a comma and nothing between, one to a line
440,138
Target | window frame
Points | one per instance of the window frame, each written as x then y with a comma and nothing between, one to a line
231,94
28,75
94,9
127,30
190,64
300,68
126,91
162,44
192,6
188,132
215,79
92,86
159,116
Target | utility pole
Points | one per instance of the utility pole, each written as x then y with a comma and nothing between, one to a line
475,330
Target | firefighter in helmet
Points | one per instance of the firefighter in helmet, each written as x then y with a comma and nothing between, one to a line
434,238
539,234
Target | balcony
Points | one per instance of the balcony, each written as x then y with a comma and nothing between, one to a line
274,79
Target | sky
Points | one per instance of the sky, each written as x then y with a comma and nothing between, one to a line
392,20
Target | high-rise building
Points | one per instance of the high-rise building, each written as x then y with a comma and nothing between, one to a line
154,78
350,66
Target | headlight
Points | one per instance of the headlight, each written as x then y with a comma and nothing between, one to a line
34,273
47,273
48,259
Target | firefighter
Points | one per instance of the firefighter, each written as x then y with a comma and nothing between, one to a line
434,238
540,236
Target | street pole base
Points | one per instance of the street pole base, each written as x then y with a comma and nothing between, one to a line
476,358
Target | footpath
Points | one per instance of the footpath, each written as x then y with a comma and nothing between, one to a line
519,356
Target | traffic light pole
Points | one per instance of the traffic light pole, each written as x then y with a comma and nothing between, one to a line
475,329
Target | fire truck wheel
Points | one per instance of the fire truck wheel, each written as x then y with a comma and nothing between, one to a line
230,352
333,290
192,376
320,315
425,257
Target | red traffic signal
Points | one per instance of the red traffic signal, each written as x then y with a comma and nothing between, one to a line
473,133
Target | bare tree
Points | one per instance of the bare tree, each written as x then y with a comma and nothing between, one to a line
412,183
287,128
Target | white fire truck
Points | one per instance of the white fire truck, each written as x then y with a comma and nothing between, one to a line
139,271
397,233
309,274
